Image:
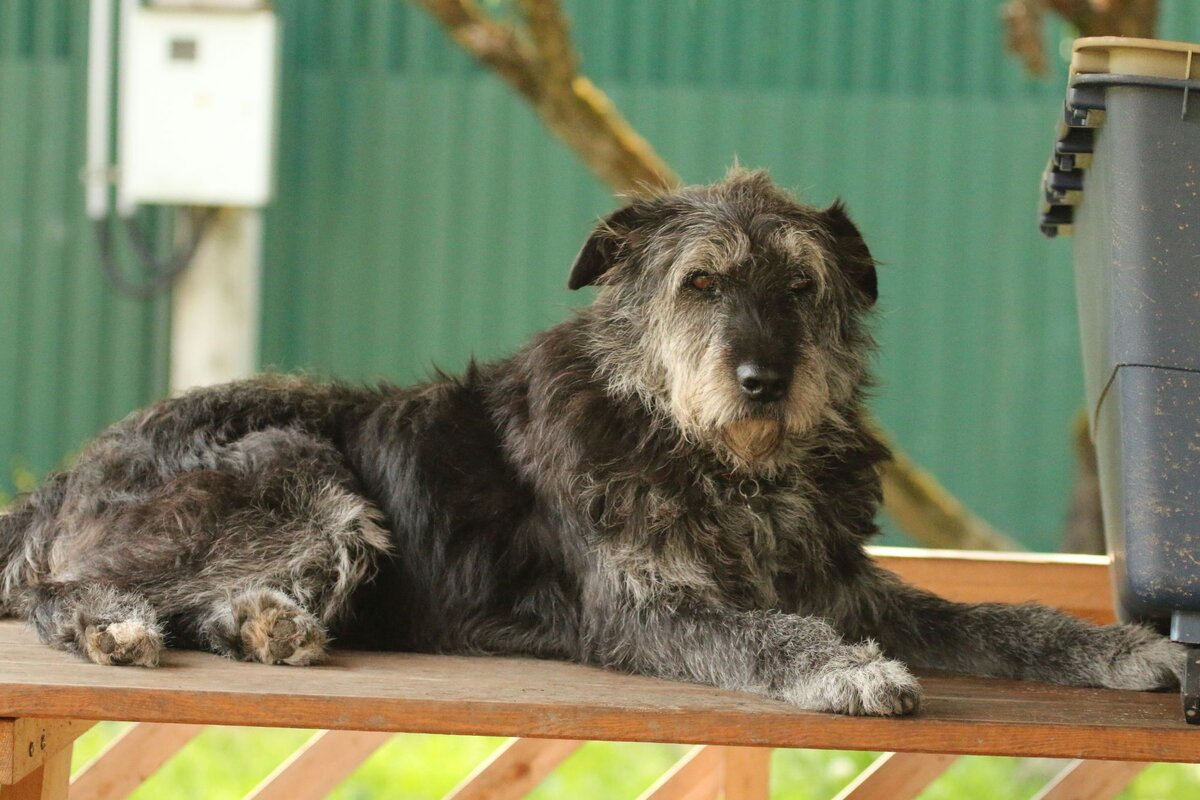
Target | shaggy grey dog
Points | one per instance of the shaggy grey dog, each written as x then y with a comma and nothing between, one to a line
677,481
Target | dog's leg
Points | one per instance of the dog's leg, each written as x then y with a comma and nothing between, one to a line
256,555
801,660
312,552
1025,641
103,623
263,625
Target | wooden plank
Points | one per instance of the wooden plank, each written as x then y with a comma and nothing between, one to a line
324,761
747,773
1091,780
514,770
48,781
696,776
130,759
26,743
1078,584
549,699
897,776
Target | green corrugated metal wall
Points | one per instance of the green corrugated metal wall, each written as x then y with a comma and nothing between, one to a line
423,215
72,355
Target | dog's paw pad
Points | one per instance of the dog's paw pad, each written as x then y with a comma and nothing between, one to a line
279,633
125,643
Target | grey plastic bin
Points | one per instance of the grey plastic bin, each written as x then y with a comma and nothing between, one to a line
1124,180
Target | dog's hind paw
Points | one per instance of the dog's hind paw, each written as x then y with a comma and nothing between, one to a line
124,643
859,681
275,630
1143,660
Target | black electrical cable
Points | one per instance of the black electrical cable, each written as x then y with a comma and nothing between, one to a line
160,274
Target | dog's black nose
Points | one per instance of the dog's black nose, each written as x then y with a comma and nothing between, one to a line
761,384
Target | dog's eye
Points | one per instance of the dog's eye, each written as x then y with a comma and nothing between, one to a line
702,281
800,285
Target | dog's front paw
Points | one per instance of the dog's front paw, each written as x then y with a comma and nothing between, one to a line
123,643
858,680
1143,660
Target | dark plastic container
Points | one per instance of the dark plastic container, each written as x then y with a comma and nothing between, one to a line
1124,180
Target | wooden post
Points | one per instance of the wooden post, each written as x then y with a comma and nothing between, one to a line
48,782
215,304
27,743
35,757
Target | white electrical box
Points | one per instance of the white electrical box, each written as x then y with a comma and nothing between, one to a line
196,122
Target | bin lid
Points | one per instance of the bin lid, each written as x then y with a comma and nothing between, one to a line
1150,58
1097,62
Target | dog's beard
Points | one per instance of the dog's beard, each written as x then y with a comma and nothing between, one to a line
753,439
710,408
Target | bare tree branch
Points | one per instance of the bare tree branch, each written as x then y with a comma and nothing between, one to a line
541,66
1109,17
549,33
1084,532
1023,33
494,44
930,514
570,105
1023,23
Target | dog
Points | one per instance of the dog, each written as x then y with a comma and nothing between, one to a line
677,481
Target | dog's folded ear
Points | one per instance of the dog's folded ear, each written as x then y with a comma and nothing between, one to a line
603,248
852,254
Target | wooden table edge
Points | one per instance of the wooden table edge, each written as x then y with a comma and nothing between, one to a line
600,723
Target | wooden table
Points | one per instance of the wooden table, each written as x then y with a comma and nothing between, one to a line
47,698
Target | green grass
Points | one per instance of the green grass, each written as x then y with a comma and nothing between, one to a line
228,762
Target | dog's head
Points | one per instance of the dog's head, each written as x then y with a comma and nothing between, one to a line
735,309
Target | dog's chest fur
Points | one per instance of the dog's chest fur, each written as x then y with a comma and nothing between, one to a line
669,521
725,539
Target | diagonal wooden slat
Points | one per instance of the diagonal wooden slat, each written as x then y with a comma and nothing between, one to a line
1091,780
321,763
747,773
696,776
130,759
514,770
897,776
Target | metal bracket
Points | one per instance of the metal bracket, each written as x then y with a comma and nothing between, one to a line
1191,686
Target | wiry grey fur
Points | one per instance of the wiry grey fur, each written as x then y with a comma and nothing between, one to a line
619,492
